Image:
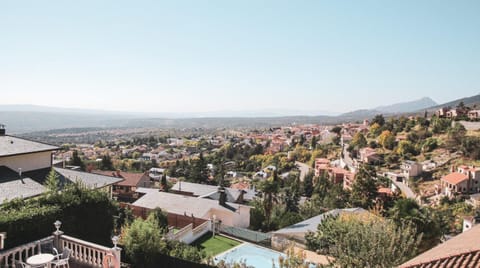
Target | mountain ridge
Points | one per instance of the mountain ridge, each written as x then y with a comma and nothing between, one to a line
18,121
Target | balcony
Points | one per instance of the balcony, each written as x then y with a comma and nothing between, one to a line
83,254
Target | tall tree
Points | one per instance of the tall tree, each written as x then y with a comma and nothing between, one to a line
270,188
52,182
164,182
364,188
77,161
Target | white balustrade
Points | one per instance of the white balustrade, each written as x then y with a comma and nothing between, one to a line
21,253
84,252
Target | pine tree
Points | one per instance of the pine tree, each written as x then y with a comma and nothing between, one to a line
52,182
164,182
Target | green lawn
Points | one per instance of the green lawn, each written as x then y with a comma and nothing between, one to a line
217,245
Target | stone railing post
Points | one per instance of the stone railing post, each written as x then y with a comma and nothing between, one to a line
3,236
117,252
57,234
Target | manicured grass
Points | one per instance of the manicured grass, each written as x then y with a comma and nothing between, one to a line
216,245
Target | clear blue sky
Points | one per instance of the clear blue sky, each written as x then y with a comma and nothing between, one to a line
197,55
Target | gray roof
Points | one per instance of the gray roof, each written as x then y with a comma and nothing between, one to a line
179,204
311,224
211,191
90,180
10,145
12,186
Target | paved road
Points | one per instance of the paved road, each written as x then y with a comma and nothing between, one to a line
347,159
405,189
304,169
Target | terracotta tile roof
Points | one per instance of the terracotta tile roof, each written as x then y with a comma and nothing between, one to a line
455,178
322,161
385,190
130,179
460,251
240,186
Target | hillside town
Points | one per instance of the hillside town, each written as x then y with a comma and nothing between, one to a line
239,134
274,190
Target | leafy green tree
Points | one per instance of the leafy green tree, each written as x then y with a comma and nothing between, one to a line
163,182
199,170
426,222
337,130
364,188
375,130
405,148
471,147
455,136
106,163
143,241
429,145
364,241
440,125
257,216
270,188
308,184
387,140
359,140
378,119
52,182
77,161
160,218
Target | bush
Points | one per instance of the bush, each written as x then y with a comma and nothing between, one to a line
86,214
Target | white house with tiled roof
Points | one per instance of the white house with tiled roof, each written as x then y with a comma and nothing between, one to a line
466,180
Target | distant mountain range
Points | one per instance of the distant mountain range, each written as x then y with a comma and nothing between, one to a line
406,107
31,118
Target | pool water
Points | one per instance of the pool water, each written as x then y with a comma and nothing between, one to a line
255,256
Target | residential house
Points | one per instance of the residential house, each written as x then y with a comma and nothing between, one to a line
337,175
321,166
19,158
87,179
461,251
368,155
211,192
465,180
469,222
284,237
126,189
456,112
182,207
474,114
411,168
442,112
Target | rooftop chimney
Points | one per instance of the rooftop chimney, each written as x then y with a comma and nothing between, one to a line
222,200
2,130
20,172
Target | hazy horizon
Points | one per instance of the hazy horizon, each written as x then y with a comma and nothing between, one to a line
198,57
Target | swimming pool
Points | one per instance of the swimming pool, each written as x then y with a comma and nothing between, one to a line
255,256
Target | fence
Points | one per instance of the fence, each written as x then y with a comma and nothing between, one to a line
246,234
